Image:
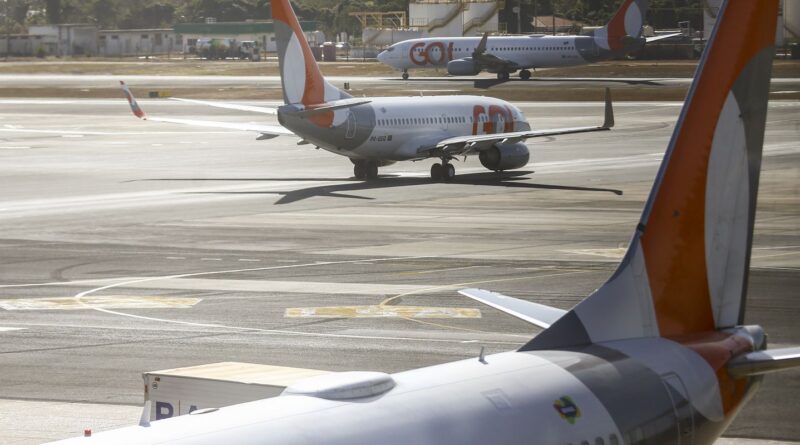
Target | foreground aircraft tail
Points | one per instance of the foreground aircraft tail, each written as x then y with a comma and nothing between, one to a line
302,81
686,269
624,29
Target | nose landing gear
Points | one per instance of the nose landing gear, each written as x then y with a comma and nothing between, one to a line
405,74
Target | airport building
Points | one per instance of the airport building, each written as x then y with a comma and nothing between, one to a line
262,32
436,18
137,42
87,40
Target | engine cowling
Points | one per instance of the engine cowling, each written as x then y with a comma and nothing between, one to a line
463,67
505,157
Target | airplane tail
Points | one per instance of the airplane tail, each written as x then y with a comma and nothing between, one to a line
302,81
624,30
686,269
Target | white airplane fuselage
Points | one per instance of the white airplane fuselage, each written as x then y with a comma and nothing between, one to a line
549,397
395,128
537,51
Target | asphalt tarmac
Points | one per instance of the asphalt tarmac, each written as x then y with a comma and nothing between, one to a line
130,246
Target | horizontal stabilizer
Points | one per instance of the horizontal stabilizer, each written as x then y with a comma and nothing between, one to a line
324,108
763,362
534,313
662,37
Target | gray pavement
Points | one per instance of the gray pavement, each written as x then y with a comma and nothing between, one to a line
130,246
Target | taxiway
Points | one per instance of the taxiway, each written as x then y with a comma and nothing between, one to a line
130,246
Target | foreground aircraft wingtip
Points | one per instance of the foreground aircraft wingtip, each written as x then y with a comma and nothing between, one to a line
608,122
135,108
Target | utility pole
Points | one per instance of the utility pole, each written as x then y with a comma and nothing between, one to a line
519,17
8,33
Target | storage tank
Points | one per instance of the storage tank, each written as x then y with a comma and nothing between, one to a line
788,28
791,19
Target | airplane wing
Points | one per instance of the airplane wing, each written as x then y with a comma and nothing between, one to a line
309,111
229,106
488,60
534,313
763,362
265,131
662,37
462,145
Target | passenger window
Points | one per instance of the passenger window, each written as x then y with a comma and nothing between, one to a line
599,441
613,440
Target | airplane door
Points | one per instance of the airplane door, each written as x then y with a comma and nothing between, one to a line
351,126
682,406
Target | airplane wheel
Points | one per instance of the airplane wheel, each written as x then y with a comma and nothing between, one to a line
449,172
524,74
503,75
360,170
436,172
405,76
371,170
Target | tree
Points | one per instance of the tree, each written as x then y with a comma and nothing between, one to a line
53,11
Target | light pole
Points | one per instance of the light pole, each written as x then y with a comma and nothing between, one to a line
8,33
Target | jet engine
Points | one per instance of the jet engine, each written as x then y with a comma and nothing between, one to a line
505,157
463,67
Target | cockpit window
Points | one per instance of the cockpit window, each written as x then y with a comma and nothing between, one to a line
390,49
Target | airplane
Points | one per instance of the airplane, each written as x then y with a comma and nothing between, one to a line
468,56
379,131
658,354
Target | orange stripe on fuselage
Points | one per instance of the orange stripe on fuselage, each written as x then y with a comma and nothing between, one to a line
673,241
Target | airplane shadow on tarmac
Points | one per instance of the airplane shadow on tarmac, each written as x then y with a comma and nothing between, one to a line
505,179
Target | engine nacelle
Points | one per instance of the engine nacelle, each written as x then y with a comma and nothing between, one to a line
463,67
505,157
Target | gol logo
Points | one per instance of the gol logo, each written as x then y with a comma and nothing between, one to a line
434,53
567,409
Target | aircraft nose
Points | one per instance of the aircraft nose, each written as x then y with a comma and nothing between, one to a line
382,56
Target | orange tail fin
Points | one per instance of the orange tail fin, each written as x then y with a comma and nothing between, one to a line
687,265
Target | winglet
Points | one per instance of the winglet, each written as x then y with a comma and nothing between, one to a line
144,420
481,48
608,122
137,110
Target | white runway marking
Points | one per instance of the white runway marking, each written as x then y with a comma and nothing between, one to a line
4,329
80,299
380,311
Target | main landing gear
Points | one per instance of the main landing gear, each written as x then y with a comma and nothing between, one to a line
443,172
363,169
525,74
405,74
503,75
